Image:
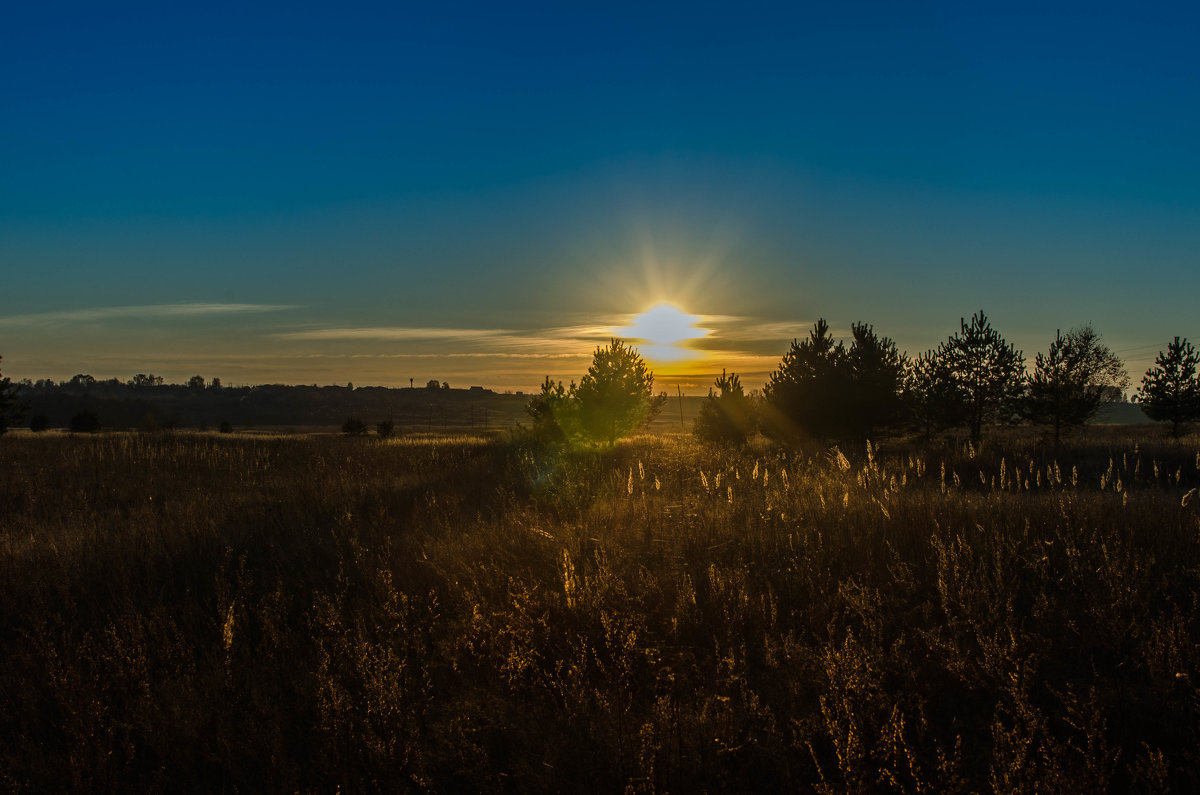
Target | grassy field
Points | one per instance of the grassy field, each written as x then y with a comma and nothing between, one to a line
191,612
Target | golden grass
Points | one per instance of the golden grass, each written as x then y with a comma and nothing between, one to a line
204,612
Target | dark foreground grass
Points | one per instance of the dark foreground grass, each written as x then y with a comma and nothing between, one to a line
204,613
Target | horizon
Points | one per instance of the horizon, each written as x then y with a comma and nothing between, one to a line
482,195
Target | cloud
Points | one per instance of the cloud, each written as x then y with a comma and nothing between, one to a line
390,334
97,314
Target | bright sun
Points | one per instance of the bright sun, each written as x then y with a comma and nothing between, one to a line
664,329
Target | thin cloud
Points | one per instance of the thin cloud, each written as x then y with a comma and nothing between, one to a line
390,334
97,314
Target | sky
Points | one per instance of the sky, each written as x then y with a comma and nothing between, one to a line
482,193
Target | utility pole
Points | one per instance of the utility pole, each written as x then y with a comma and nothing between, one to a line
682,426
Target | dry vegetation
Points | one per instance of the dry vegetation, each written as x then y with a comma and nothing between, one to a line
202,613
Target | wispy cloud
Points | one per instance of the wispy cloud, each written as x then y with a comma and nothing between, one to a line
391,334
99,314
491,336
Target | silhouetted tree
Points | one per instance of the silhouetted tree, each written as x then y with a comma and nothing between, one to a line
385,429
876,380
930,394
989,374
1068,381
433,384
82,380
215,383
11,407
225,427
1171,388
726,416
616,396
84,422
807,394
143,379
196,382
39,423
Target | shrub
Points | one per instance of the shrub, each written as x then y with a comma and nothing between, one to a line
39,423
354,427
84,422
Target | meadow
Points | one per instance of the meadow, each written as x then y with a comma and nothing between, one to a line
205,612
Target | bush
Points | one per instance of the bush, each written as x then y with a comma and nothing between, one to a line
385,429
39,423
84,422
354,427
226,426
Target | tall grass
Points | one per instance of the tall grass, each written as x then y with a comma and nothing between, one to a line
300,613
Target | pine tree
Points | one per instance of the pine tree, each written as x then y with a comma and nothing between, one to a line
11,407
549,411
725,416
931,395
1171,389
807,394
1069,381
876,378
989,374
616,396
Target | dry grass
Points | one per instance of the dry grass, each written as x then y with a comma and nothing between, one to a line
205,613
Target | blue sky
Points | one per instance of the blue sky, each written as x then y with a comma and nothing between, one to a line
482,192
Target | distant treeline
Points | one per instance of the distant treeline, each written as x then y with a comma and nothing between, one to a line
146,402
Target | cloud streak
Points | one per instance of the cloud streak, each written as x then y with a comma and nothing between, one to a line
100,314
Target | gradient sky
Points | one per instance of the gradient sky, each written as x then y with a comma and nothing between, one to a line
482,192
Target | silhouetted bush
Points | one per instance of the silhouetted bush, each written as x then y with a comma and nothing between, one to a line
39,423
354,427
84,422
385,429
226,426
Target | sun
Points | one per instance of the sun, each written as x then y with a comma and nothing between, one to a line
664,331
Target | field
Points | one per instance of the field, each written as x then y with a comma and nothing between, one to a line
204,612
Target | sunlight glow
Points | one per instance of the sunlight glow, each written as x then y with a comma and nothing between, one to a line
664,324
663,333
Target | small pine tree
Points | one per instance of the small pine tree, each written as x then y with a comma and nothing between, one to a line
1171,388
616,396
725,416
988,372
876,379
549,410
806,395
930,394
1069,381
